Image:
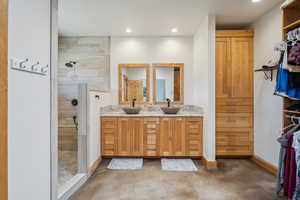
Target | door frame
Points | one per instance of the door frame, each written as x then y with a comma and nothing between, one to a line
3,99
78,180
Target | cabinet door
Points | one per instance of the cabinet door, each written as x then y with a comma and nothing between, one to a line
242,67
136,128
151,137
124,137
178,132
109,132
166,135
223,69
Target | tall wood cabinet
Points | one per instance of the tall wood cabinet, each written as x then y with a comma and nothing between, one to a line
234,93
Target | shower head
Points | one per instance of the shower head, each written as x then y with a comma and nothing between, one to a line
70,64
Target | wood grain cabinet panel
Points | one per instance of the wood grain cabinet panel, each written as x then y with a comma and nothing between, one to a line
130,136
124,137
137,126
151,136
234,93
179,136
109,134
166,136
172,137
194,131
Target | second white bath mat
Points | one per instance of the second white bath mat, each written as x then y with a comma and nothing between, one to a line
181,165
126,164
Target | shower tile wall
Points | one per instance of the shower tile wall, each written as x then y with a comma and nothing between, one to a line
92,57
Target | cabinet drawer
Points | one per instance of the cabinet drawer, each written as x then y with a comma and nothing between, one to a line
234,109
109,123
232,120
230,140
226,150
234,101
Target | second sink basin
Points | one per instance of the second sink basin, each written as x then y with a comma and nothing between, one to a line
170,110
132,110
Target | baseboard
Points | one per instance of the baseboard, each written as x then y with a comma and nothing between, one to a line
267,166
209,164
95,165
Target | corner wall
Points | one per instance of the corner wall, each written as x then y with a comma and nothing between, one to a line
267,107
204,81
29,105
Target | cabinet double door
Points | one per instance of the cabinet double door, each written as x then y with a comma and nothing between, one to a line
234,95
172,137
130,137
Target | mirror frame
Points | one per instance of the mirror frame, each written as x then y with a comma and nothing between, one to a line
161,65
147,68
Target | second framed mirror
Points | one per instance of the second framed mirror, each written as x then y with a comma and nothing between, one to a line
168,83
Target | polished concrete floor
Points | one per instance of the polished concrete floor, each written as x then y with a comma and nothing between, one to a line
234,180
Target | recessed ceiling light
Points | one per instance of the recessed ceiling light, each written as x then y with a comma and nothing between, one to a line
128,30
255,1
174,30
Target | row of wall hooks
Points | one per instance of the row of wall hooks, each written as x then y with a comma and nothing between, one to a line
27,65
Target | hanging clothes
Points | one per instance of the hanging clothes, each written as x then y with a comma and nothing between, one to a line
296,146
288,76
283,86
283,140
290,170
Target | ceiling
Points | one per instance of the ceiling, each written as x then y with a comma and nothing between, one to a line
153,17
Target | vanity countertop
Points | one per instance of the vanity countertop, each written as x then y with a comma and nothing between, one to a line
152,111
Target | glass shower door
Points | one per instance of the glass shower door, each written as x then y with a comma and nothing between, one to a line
67,134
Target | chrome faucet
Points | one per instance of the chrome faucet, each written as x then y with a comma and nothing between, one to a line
169,102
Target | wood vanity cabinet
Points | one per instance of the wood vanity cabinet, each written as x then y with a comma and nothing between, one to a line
152,137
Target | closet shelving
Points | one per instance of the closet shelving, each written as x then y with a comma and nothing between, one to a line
290,21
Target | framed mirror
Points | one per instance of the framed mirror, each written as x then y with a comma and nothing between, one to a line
134,83
168,83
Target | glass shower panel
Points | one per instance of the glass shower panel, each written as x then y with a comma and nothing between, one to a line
67,132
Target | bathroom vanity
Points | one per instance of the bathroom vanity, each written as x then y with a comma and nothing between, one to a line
152,133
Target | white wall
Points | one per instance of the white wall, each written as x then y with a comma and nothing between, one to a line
267,107
152,50
203,81
29,102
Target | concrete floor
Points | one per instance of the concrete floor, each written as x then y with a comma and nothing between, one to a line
234,180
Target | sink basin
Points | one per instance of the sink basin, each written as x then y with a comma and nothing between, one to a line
132,110
170,110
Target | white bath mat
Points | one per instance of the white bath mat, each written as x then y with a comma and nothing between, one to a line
181,165
126,164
